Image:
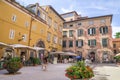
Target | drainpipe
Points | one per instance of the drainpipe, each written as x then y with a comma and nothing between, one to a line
30,31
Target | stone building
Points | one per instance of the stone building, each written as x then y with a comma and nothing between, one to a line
88,36
116,46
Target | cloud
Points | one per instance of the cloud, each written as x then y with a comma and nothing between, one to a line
68,9
114,30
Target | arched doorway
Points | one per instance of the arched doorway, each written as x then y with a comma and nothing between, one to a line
40,52
92,56
105,56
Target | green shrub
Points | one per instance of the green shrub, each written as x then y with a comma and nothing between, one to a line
79,71
13,65
36,61
117,58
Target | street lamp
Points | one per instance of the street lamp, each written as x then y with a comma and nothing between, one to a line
23,37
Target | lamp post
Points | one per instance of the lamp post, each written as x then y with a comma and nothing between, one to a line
23,37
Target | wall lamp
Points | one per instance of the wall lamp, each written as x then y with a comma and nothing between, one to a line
23,37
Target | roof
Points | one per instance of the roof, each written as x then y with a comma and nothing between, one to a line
55,11
110,15
70,12
116,39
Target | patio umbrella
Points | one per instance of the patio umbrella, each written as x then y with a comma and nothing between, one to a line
69,54
117,54
57,52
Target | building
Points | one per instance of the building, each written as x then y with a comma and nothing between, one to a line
88,37
31,26
116,46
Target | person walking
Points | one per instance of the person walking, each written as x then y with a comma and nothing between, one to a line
44,64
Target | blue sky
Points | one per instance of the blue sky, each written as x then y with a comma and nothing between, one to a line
88,8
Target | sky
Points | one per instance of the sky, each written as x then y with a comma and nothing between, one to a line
90,8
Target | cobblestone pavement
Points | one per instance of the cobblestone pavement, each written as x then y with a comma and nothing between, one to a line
106,72
54,72
57,72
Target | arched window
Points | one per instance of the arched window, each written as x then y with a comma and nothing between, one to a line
92,31
80,32
104,30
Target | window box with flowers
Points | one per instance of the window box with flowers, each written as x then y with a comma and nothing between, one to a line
79,71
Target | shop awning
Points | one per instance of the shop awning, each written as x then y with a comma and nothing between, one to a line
69,54
21,46
38,48
57,52
4,44
117,54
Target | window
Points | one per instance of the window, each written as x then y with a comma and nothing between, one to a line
55,39
92,42
91,31
102,20
64,33
38,13
68,15
79,43
64,43
114,45
25,38
49,21
60,41
104,42
26,24
80,32
60,28
70,43
65,26
115,51
55,26
34,27
44,16
14,18
70,33
12,34
79,24
91,22
104,30
71,25
48,36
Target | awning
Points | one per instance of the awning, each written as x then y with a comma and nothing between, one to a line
57,52
38,48
69,54
117,54
3,45
21,46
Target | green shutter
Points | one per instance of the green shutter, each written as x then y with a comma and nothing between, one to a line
88,31
94,30
100,30
95,42
88,42
82,42
77,43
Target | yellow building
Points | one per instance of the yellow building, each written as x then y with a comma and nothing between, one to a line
29,26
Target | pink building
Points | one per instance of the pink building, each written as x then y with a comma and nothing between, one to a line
88,37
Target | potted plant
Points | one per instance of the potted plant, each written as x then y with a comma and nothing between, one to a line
13,65
36,61
79,71
117,59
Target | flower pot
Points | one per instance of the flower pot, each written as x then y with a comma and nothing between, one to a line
79,79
